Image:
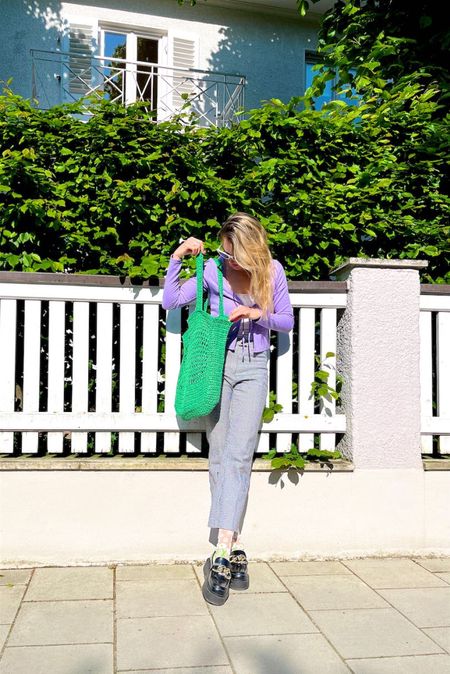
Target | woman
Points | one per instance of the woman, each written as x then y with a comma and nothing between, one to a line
256,300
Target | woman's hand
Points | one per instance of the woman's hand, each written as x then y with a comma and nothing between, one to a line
245,312
191,245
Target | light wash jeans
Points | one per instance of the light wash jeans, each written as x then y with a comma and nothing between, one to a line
232,432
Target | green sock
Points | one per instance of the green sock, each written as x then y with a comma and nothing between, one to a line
222,550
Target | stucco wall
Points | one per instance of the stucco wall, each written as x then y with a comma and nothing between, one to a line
265,47
380,365
90,516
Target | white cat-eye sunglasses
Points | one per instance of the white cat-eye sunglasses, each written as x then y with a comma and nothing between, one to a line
224,254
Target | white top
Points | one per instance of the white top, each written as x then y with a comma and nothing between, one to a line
246,299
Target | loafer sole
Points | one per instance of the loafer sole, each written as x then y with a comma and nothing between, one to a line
239,583
211,597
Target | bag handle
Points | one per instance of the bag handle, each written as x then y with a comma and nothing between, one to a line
199,273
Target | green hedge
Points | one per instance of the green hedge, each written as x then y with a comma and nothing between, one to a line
114,194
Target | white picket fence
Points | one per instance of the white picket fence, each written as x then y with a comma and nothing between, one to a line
435,370
73,365
66,341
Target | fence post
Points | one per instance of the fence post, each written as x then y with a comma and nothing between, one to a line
378,355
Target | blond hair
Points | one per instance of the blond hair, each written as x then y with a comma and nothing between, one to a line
251,252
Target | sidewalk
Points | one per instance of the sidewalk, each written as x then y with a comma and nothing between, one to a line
367,616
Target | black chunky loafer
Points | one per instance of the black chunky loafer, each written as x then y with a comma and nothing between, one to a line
216,587
239,574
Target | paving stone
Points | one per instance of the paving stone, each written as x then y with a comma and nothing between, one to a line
73,659
154,572
445,576
10,598
415,664
373,633
441,636
249,614
4,629
15,576
159,598
284,654
262,579
198,572
73,582
328,592
393,573
434,563
63,622
154,643
221,669
428,607
308,568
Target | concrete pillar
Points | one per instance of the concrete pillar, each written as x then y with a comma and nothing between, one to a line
378,345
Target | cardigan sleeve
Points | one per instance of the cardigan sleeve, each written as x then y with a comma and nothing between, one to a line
282,318
176,294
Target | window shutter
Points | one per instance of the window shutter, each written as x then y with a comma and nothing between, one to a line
183,56
81,49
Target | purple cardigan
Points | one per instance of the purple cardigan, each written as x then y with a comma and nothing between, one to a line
177,295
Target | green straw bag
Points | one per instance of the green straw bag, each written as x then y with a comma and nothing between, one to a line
199,382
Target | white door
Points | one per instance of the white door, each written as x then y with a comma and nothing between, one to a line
130,63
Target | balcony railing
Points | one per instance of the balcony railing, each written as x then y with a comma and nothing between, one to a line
214,97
